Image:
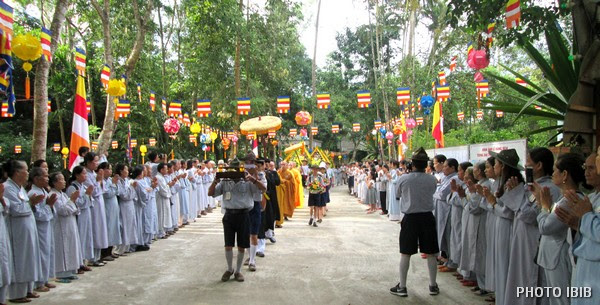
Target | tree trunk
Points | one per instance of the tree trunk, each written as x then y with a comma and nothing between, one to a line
585,102
412,19
163,52
236,64
40,100
109,124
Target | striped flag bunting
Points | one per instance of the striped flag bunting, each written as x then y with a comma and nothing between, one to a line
356,127
105,76
293,132
323,100
243,106
283,104
403,95
364,98
45,40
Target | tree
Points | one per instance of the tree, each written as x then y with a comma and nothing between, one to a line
585,102
40,101
141,20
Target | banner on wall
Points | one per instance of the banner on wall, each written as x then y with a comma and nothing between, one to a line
480,152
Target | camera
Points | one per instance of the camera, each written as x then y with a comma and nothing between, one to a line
529,175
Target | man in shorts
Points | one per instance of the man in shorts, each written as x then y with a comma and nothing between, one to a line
418,231
237,201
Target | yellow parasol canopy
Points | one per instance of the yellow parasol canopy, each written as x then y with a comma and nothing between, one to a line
260,125
294,148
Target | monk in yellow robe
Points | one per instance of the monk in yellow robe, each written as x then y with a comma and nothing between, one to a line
285,193
293,167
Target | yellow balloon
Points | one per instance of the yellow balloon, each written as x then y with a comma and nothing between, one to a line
195,128
213,135
27,66
27,47
114,86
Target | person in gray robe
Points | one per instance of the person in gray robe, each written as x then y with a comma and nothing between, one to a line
456,199
6,273
474,241
126,195
99,230
142,196
553,254
84,219
490,225
150,220
175,187
163,201
67,247
111,205
22,232
442,213
44,219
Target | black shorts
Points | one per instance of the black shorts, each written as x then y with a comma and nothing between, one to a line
314,200
418,231
236,224
255,218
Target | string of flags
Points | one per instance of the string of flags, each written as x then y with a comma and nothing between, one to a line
243,106
323,100
364,98
283,104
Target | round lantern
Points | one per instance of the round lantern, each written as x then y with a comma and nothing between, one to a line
116,87
274,142
398,129
226,142
171,126
389,135
303,118
27,47
411,123
426,111
389,141
427,101
234,139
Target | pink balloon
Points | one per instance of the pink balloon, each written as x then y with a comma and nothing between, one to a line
411,123
389,141
389,135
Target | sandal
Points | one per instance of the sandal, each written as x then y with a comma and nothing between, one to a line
21,300
97,264
63,281
490,299
32,295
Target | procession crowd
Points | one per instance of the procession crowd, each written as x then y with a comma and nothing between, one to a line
513,239
55,228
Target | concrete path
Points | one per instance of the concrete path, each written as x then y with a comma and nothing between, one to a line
351,258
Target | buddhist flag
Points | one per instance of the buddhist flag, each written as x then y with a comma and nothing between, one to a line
17,149
482,91
175,108
443,93
105,76
335,128
133,143
491,26
419,121
403,95
442,78
186,120
243,105
80,131
283,104
94,145
499,113
513,13
193,138
152,142
203,108
364,98
114,144
5,113
80,60
139,89
461,116
250,136
152,101
164,105
49,106
521,82
88,106
356,127
479,114
437,129
536,107
6,18
56,147
45,39
453,64
314,130
272,134
293,132
377,124
323,100
123,109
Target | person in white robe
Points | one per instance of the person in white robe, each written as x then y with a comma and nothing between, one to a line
22,232
443,208
206,181
163,201
175,204
184,194
193,190
150,218
44,219
490,226
393,203
67,247
584,217
111,204
126,195
6,273
84,219
90,162
202,191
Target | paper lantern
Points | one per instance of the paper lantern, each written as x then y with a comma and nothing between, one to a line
478,59
389,135
116,87
171,126
303,118
411,123
27,47
234,139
